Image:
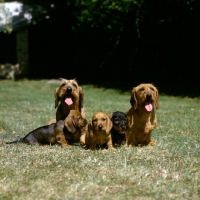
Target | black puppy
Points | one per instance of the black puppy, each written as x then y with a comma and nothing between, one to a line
120,121
56,133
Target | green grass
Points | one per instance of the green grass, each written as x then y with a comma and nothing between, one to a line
169,170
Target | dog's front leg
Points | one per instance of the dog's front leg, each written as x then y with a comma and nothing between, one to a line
147,140
60,138
84,133
130,138
109,143
92,144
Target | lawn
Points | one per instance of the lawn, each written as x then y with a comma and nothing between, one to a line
169,170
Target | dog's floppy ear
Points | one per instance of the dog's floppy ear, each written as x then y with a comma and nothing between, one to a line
108,125
56,97
110,116
157,100
133,99
70,124
90,127
81,94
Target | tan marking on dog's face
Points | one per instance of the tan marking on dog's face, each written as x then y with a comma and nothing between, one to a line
119,121
99,121
144,93
119,129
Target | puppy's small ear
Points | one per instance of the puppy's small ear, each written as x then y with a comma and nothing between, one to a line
56,97
108,125
90,125
133,99
90,128
70,124
110,116
157,100
81,94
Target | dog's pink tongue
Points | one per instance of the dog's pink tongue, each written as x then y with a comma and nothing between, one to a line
148,107
68,101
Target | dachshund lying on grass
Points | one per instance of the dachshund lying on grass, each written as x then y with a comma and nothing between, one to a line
60,133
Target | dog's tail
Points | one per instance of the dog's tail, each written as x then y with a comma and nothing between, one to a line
16,141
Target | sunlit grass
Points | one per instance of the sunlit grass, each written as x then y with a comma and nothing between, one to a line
169,170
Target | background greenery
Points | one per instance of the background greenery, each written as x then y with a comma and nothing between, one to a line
117,43
169,170
132,41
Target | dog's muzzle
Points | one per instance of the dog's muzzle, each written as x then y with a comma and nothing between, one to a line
123,127
69,89
148,96
100,127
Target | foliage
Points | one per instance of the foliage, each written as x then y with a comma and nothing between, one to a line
5,18
125,41
169,170
110,16
106,12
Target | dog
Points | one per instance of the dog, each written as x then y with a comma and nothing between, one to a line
74,126
120,122
68,96
98,132
141,116
61,132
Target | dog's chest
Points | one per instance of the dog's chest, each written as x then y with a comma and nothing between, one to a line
73,137
116,135
101,137
66,108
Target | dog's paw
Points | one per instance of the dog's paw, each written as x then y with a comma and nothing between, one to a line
111,148
66,145
152,143
129,145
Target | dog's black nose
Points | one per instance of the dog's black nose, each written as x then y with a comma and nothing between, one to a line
149,96
100,127
69,89
123,127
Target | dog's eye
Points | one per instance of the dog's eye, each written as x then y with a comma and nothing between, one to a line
124,119
116,121
94,120
103,119
63,84
141,89
74,85
152,89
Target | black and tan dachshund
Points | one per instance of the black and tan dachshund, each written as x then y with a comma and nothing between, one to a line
120,121
60,133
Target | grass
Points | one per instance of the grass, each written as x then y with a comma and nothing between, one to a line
169,170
